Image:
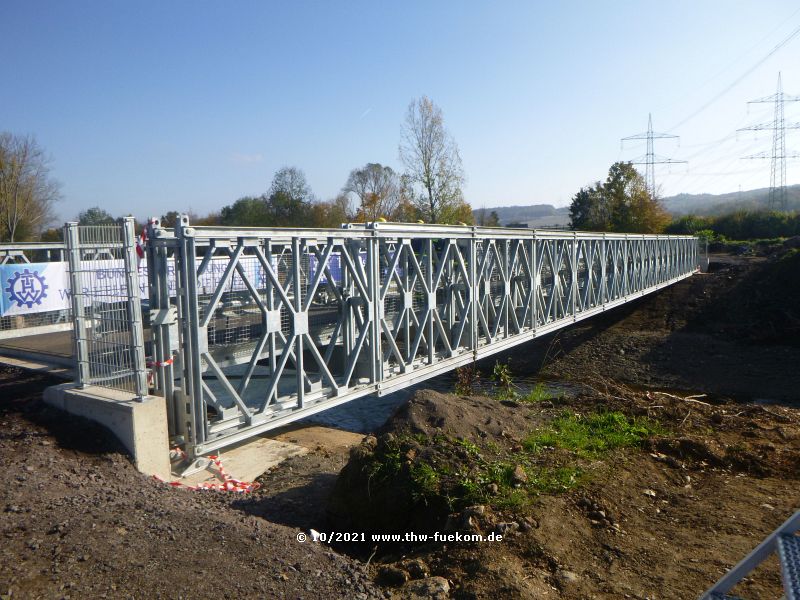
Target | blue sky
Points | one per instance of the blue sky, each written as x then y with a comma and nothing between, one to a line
151,106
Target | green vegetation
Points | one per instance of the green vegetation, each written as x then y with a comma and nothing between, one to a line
756,226
501,375
538,393
467,379
622,203
593,434
506,389
454,472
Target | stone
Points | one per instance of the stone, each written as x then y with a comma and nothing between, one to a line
519,476
417,568
391,575
435,588
476,510
568,577
507,528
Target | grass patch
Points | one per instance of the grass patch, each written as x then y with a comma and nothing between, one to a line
539,393
445,473
444,469
592,434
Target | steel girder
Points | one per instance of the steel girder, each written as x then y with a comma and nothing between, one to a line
261,327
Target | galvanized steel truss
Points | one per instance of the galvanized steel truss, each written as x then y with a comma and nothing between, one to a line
267,326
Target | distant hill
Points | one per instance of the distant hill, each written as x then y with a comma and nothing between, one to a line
717,204
547,215
534,215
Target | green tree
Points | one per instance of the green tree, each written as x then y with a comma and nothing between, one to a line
289,201
170,219
484,219
286,204
434,174
584,211
330,214
95,216
622,204
291,182
248,211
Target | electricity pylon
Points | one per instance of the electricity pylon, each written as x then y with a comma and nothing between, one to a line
778,126
651,159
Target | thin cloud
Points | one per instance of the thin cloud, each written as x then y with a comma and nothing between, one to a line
365,113
246,159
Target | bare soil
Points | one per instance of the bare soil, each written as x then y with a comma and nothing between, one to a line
78,521
662,520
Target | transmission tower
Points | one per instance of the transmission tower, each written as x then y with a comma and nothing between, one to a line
651,159
778,126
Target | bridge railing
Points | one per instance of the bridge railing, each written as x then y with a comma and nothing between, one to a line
254,328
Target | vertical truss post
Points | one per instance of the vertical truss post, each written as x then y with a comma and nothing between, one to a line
270,294
534,258
194,340
298,308
348,334
472,292
431,300
374,309
72,240
162,320
603,270
574,267
625,275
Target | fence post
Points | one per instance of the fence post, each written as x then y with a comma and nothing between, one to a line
574,268
534,283
134,307
72,241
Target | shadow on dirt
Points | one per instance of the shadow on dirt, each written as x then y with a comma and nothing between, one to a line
22,391
302,506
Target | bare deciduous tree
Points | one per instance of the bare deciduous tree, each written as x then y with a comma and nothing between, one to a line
432,162
291,181
377,189
27,192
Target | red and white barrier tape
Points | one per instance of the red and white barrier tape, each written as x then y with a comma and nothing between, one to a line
158,364
228,483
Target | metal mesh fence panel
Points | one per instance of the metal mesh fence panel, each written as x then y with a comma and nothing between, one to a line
106,302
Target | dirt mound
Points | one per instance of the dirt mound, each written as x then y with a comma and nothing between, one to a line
426,460
762,303
465,417
588,492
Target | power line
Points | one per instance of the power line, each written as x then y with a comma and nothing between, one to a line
739,79
778,126
650,159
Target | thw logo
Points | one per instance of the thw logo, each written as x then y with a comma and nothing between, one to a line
27,288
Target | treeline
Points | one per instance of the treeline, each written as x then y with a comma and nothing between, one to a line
429,189
622,203
739,225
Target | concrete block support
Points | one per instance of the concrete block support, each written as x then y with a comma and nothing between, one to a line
141,426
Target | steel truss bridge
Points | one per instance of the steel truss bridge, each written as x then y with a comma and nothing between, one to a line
254,328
